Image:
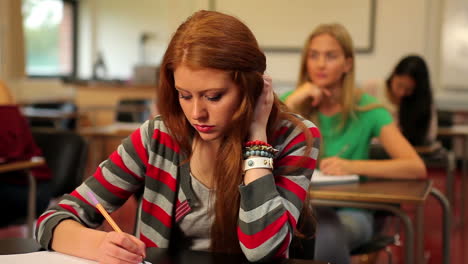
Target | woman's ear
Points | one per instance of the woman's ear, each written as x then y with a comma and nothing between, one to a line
348,65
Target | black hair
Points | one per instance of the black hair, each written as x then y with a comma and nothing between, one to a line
415,111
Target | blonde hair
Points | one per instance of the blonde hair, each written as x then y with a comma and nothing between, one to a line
350,95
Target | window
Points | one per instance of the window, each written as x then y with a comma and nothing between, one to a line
50,37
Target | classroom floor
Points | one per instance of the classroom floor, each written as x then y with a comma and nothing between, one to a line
432,235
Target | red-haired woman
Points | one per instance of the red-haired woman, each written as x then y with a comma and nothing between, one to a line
224,168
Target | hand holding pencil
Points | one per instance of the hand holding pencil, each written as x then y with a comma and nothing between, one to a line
118,246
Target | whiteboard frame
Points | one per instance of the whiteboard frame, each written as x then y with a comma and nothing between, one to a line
367,49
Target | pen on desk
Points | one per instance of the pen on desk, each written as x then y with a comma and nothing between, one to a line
104,212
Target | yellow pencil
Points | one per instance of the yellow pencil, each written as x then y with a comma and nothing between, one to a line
104,212
106,215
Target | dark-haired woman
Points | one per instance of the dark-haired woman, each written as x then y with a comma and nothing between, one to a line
407,94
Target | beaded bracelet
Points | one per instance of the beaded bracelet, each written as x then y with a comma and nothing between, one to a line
256,142
259,148
260,153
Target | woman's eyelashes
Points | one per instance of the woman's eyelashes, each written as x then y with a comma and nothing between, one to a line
213,98
185,97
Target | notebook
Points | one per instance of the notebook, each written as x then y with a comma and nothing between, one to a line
320,178
46,257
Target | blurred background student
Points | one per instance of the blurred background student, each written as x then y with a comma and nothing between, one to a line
17,144
407,94
348,119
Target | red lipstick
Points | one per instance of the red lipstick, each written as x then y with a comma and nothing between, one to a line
203,128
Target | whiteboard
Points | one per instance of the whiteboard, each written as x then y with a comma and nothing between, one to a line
281,25
455,45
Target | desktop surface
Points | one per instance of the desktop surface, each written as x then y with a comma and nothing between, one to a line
154,255
385,191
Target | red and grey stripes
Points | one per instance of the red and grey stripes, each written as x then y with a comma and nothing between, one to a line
150,160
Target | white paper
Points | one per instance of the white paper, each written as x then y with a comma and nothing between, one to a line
45,257
320,178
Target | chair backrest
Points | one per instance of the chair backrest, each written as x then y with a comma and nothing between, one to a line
134,110
65,153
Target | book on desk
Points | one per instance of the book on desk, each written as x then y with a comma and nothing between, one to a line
324,179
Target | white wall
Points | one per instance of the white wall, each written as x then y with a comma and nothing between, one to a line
455,45
400,29
114,27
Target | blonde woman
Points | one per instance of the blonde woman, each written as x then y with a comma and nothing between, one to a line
348,120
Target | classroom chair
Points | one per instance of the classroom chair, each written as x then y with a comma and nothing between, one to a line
65,153
380,241
33,192
438,156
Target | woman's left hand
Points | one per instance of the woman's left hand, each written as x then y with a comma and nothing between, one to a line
335,166
262,111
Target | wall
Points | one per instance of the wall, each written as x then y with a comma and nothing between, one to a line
454,56
395,36
455,45
116,33
114,27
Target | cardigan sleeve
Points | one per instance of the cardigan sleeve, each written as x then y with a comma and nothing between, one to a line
114,181
271,205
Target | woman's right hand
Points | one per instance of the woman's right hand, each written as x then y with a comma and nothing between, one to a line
121,248
307,91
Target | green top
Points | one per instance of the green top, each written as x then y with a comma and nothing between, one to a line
354,139
285,95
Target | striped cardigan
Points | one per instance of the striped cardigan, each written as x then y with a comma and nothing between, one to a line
149,158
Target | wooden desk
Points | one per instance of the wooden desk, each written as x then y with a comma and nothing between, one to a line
388,196
104,140
460,131
100,100
25,165
20,165
154,255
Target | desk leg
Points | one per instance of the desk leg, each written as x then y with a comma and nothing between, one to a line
464,182
451,171
31,204
409,231
419,232
446,224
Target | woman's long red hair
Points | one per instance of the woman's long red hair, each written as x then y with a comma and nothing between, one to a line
210,39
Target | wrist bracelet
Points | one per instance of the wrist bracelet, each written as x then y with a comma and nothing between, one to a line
258,162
